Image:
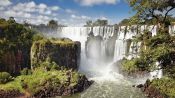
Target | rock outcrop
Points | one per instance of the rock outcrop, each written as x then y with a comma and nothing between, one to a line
150,91
63,90
63,52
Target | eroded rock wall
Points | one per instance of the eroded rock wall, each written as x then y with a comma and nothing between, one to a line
63,52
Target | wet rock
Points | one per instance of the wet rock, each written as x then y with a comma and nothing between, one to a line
139,86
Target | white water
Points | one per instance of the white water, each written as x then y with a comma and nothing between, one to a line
120,50
108,82
98,64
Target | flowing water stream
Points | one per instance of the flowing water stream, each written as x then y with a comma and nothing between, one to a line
104,43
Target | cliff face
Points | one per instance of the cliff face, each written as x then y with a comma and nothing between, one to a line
63,52
14,61
15,43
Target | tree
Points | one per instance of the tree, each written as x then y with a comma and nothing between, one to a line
89,23
124,22
11,20
52,24
157,10
100,22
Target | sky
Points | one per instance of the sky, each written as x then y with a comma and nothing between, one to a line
67,12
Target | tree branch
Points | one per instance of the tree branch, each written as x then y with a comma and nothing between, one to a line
166,14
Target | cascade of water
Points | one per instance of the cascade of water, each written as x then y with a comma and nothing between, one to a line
153,29
172,29
127,32
158,73
134,49
95,50
101,46
120,50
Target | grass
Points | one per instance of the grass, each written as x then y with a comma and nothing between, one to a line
13,85
40,78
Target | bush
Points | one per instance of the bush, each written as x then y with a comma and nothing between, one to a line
5,77
165,85
26,71
159,39
134,65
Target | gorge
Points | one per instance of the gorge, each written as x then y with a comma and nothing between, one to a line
87,49
101,48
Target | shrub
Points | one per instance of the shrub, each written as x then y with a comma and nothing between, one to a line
165,85
26,71
5,77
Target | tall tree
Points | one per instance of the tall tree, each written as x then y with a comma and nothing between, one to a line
53,24
157,10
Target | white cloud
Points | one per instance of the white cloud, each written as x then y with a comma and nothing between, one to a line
48,12
69,11
104,18
55,8
29,11
42,6
5,3
74,16
78,20
85,17
96,2
82,17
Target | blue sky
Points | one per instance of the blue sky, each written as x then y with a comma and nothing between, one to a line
68,12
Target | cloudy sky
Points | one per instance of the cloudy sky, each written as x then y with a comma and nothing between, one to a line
68,12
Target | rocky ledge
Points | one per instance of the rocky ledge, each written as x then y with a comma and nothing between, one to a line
63,90
159,88
44,84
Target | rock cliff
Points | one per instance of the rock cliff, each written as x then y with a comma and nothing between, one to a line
63,52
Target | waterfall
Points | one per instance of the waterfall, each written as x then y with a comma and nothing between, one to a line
125,33
158,73
102,45
134,50
120,50
172,29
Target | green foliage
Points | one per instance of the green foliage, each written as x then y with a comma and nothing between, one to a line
49,46
169,71
49,65
159,48
5,77
124,22
52,24
13,85
134,65
26,71
98,22
165,85
15,37
159,39
41,78
37,37
154,10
